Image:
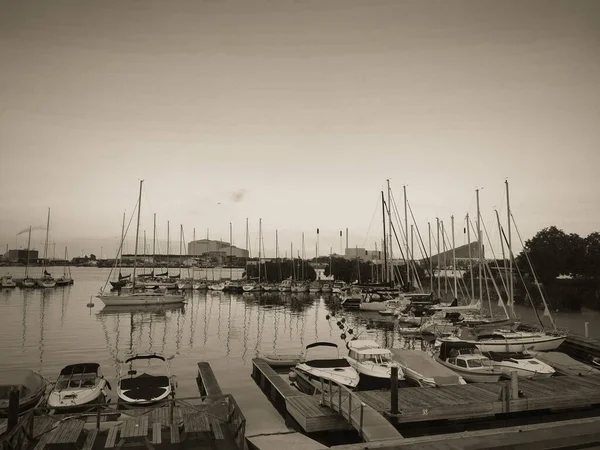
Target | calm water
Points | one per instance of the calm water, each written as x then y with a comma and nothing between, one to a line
45,330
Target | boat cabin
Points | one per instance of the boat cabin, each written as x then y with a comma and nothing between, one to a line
369,351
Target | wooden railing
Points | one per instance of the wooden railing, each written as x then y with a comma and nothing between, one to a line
343,400
17,438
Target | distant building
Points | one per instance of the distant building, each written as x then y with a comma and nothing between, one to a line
462,254
215,248
362,254
20,256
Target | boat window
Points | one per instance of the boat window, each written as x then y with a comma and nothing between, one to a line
531,361
452,361
475,363
461,363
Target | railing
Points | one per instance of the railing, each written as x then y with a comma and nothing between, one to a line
24,430
338,398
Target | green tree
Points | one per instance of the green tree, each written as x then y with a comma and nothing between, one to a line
550,253
591,256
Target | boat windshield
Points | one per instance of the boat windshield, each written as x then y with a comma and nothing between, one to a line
376,358
76,381
478,363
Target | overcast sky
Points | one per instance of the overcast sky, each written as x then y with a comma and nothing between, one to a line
296,112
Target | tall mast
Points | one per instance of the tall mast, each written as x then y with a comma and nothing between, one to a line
144,251
412,247
153,243
444,257
510,260
27,262
454,260
317,252
406,232
390,242
303,257
230,251
168,244
470,259
46,243
293,262
502,246
121,245
137,234
180,249
277,255
479,247
437,244
430,259
259,253
385,265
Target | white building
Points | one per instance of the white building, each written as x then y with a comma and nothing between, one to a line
202,246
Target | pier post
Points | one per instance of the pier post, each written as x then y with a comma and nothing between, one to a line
394,390
514,385
13,408
587,333
98,409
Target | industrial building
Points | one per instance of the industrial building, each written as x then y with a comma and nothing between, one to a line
215,248
20,256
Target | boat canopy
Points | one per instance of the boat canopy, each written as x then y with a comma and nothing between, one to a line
153,356
450,349
321,344
360,344
80,368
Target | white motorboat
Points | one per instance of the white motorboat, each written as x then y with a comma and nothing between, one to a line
7,282
285,286
314,288
524,364
337,369
251,287
200,285
144,380
77,387
373,363
352,298
465,359
508,341
326,288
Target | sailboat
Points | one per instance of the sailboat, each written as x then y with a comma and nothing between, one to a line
158,297
27,281
65,279
46,281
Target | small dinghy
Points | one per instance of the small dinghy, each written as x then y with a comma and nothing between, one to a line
78,386
282,360
32,387
144,380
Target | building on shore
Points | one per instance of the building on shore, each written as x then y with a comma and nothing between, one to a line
19,256
215,249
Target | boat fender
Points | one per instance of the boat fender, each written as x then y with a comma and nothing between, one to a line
292,376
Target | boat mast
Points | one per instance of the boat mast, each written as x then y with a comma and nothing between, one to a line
180,245
154,245
430,259
412,248
292,259
406,233
510,259
277,256
303,257
445,262
390,243
385,265
317,253
503,253
437,244
46,244
230,251
454,260
247,251
137,235
479,249
259,252
27,261
470,259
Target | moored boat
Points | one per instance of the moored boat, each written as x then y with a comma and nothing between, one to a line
144,380
77,387
336,369
526,365
466,360
7,282
508,341
31,385
373,363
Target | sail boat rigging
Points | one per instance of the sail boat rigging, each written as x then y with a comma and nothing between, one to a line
46,280
65,279
140,297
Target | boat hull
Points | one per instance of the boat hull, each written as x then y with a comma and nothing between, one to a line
145,299
520,345
472,376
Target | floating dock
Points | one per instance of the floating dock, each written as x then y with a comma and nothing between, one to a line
565,365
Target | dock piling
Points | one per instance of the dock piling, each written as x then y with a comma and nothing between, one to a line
13,408
394,390
514,385
587,331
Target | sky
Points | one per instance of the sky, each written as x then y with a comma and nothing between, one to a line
295,112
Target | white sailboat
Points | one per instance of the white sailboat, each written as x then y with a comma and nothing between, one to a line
28,282
7,282
47,281
158,297
66,278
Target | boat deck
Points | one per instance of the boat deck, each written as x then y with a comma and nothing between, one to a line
423,364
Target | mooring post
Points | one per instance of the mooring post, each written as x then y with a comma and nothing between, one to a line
13,408
98,409
394,390
514,385
587,333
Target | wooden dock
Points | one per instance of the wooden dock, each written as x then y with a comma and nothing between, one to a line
207,381
480,400
584,348
306,410
568,434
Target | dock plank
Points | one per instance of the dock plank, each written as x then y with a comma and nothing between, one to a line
207,381
284,388
89,440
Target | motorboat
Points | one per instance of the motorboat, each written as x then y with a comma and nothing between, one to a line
508,341
326,288
336,369
200,286
78,386
376,302
338,287
526,365
144,380
352,298
285,286
373,363
7,282
314,288
300,286
251,287
465,359
31,385
283,360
